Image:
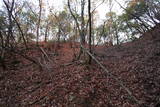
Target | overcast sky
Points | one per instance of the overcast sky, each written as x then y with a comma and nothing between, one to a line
102,9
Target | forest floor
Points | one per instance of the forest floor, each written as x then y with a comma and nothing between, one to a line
63,83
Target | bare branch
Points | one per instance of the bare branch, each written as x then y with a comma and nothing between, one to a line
115,78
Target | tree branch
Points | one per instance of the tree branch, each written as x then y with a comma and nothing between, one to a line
115,78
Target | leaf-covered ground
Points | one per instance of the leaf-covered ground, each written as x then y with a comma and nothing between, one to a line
61,83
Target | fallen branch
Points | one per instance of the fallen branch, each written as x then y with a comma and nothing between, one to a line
68,64
115,78
36,88
41,98
42,50
45,57
38,100
18,52
71,63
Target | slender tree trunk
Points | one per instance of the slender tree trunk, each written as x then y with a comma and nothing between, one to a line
58,37
2,51
39,20
9,7
78,25
82,31
90,30
82,22
21,31
46,33
117,36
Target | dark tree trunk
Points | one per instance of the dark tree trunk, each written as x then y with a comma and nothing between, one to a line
2,55
82,23
46,33
90,30
10,27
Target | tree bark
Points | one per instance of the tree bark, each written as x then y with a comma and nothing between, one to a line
82,22
46,32
39,20
78,25
90,31
10,27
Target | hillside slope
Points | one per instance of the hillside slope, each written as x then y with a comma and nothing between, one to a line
138,65
67,84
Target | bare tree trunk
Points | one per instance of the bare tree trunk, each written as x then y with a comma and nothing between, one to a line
46,32
82,33
116,34
58,37
2,51
19,27
83,22
10,27
90,31
39,20
78,26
